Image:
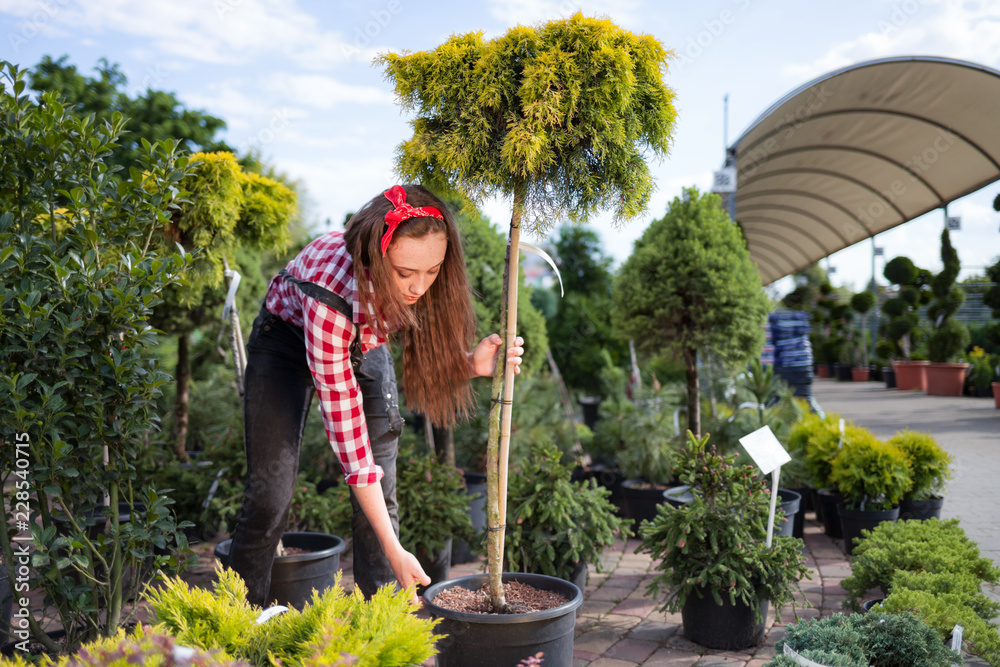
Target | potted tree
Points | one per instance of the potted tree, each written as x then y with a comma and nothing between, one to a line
945,375
560,525
872,475
714,566
817,441
901,328
930,469
551,122
707,295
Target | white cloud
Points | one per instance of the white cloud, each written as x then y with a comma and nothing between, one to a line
322,92
215,31
961,30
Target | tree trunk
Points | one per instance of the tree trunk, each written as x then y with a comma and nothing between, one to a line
500,413
183,398
444,445
693,391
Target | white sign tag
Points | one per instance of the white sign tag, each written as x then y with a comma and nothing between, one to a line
956,638
805,662
765,450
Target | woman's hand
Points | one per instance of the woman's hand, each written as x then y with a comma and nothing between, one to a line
408,571
482,360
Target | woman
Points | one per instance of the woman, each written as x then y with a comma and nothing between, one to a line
397,269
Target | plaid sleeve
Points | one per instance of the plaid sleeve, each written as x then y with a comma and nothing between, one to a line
328,335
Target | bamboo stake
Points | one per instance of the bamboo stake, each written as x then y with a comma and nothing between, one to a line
500,414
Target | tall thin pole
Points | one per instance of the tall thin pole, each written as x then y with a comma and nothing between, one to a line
725,122
875,307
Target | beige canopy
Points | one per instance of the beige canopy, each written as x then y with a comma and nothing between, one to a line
861,150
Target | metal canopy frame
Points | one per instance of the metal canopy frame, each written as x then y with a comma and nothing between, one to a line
861,150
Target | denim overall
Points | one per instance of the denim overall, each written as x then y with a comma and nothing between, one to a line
279,388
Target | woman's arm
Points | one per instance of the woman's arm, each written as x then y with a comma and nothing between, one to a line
482,360
404,564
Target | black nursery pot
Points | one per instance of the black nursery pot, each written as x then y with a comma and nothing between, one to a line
828,500
724,627
293,578
921,510
854,521
504,640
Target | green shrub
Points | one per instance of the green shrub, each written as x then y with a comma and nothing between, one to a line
77,376
818,439
433,505
553,523
332,628
930,465
916,546
717,542
870,473
932,569
144,647
942,612
886,640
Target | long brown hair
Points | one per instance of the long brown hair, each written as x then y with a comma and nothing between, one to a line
439,328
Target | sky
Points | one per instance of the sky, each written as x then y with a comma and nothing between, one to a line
295,80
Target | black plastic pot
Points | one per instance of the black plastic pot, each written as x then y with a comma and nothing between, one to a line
868,604
844,372
504,640
725,627
854,521
611,479
475,489
889,376
790,503
641,500
590,405
921,510
436,565
293,578
828,501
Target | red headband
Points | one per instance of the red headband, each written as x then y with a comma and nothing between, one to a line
401,212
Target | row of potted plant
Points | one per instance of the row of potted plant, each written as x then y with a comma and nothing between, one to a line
934,571
861,480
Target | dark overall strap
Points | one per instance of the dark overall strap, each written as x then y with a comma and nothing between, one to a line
335,301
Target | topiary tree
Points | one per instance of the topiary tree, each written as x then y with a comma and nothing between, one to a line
230,215
559,119
861,303
902,309
950,336
691,286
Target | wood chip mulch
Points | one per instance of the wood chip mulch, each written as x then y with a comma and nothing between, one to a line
521,599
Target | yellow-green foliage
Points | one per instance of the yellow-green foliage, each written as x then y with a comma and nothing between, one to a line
930,465
563,112
143,647
817,440
942,611
331,628
870,473
228,207
209,619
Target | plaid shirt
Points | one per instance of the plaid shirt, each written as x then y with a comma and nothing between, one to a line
328,336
